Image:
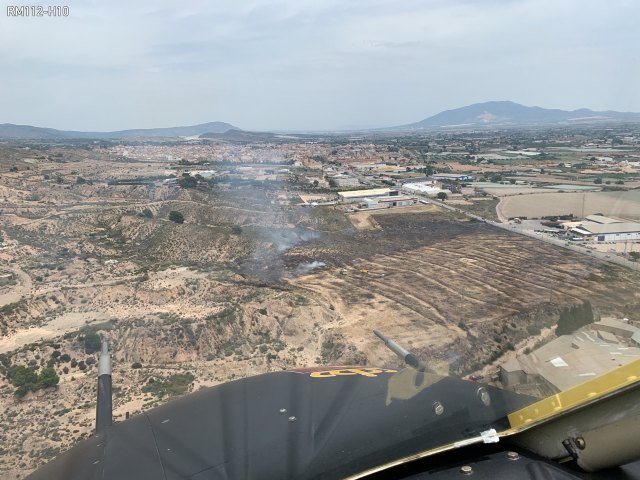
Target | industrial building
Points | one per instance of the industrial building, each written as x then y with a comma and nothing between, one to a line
344,181
431,188
356,196
605,229
572,359
452,177
387,202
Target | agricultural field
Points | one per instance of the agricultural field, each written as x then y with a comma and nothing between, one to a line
624,204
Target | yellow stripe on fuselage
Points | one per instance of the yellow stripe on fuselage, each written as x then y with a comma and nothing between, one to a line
582,394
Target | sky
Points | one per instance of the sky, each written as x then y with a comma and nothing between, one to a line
311,65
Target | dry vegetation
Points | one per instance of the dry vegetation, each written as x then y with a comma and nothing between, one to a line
234,290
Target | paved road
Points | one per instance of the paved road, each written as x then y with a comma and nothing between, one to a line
611,258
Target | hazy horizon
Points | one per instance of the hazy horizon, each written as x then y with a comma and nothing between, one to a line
285,130
287,66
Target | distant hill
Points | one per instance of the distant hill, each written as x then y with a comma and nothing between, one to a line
509,113
28,132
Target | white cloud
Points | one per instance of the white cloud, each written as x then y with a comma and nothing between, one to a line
312,64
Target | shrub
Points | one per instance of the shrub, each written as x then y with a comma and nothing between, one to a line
136,365
92,342
176,216
48,378
176,384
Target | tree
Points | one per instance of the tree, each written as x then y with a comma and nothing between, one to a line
92,342
48,378
176,217
598,181
316,183
21,376
187,181
442,196
26,380
146,213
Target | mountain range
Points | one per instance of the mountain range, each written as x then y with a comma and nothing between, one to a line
502,114
28,132
505,113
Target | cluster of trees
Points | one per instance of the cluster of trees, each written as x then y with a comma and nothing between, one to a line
188,181
598,181
26,379
574,317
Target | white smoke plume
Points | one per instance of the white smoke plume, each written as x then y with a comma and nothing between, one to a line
305,268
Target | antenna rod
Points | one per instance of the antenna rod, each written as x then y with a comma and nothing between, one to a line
104,407
408,357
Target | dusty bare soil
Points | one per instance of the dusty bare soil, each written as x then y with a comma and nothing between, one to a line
248,283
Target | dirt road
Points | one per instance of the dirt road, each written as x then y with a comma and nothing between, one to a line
18,291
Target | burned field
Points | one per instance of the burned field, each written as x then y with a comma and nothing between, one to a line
459,293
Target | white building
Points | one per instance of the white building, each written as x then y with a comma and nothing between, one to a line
425,188
387,202
606,229
359,195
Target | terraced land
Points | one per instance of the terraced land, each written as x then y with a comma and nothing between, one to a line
459,293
